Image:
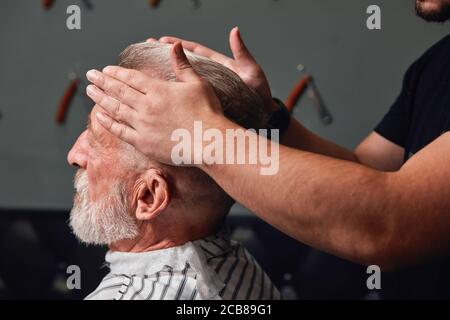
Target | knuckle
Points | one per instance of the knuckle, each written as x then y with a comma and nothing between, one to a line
108,85
122,111
109,124
117,109
113,106
101,79
119,130
123,131
122,91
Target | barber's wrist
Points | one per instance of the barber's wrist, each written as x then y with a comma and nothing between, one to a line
280,118
273,106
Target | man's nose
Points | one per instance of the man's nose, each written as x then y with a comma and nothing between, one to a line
78,155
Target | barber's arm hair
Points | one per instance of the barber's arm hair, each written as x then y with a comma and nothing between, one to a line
350,210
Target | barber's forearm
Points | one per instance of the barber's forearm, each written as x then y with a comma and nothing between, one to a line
299,137
331,204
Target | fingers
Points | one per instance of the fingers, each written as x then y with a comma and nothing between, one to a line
120,130
181,66
198,49
115,88
133,78
114,107
238,48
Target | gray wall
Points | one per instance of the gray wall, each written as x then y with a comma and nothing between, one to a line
358,71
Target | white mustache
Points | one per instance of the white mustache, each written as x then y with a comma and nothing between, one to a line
81,181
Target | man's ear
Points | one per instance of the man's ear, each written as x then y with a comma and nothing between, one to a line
152,195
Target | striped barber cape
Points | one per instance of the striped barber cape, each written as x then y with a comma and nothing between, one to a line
214,267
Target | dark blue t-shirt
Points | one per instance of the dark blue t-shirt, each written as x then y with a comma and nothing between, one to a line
420,115
422,111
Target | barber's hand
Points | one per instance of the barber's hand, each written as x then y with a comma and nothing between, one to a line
144,111
244,64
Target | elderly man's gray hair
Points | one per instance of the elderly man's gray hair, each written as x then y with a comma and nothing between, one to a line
239,103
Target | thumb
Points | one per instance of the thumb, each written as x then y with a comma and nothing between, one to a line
180,64
240,51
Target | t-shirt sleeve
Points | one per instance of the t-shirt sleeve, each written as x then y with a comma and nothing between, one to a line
396,123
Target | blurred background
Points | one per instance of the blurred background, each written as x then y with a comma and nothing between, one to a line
357,71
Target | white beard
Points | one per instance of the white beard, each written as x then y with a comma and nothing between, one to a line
102,222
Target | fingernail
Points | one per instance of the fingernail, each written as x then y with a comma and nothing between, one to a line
107,69
92,75
100,117
92,91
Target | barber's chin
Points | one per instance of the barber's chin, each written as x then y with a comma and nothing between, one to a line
433,10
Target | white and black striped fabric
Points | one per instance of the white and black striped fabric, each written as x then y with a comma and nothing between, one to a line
211,268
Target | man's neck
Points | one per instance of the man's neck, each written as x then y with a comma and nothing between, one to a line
161,234
131,245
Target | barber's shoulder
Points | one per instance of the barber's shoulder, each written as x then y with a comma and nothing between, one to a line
436,49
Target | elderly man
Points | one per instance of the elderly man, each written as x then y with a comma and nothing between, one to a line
163,224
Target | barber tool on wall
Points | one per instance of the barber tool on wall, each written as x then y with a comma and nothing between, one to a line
76,79
315,96
297,92
67,98
47,4
307,82
154,3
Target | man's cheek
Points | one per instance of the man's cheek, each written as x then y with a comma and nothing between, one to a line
96,181
100,178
